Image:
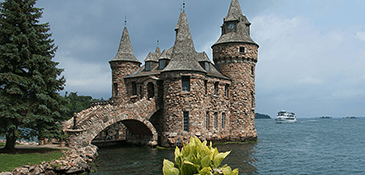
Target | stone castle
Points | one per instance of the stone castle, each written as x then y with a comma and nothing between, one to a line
190,95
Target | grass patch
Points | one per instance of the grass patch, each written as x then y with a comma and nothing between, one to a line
9,161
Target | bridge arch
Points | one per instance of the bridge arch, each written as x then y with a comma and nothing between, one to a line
94,120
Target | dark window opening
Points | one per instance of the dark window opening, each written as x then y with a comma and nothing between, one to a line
226,90
223,118
186,121
162,64
134,88
252,100
206,86
216,88
148,66
252,70
185,83
242,49
215,120
207,125
150,90
115,89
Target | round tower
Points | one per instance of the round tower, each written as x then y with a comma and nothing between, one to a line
236,55
123,64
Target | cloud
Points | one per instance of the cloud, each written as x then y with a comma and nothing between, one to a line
360,35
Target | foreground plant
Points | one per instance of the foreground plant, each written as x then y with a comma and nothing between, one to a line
197,158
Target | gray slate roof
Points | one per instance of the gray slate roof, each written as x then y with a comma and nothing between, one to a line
125,51
242,35
166,54
183,52
152,56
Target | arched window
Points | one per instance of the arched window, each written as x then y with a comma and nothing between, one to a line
150,90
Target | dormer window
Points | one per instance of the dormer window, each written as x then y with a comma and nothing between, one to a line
207,66
148,66
162,64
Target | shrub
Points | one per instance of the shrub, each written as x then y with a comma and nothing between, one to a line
197,158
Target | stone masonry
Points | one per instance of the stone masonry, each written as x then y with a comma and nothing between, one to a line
179,93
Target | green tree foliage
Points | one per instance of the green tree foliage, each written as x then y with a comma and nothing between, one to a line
77,103
29,79
197,158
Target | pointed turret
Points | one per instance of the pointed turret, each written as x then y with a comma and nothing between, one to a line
125,51
236,27
183,52
234,12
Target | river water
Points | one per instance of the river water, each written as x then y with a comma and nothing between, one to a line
311,146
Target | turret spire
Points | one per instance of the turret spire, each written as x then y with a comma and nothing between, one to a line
125,51
234,12
183,52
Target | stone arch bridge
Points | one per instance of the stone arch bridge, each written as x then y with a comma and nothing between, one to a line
90,122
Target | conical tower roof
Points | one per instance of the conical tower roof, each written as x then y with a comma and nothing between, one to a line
183,52
234,12
125,51
242,34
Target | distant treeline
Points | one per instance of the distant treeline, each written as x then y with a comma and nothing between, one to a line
262,116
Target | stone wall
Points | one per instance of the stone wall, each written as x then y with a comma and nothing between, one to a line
240,67
119,71
197,102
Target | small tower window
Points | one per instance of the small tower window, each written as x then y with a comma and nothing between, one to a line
226,90
134,88
223,118
215,120
216,88
252,70
242,49
206,86
162,64
186,121
252,100
150,90
148,66
185,83
115,86
207,125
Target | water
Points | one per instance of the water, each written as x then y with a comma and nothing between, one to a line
311,146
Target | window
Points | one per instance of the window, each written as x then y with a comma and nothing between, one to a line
115,89
162,64
252,70
207,120
215,120
226,90
134,88
242,49
252,100
206,86
223,116
206,66
150,90
186,121
185,83
216,88
148,66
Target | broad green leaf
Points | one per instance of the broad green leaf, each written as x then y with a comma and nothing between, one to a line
206,161
189,168
169,169
219,158
226,170
234,172
206,171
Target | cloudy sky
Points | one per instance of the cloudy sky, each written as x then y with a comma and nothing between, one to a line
311,55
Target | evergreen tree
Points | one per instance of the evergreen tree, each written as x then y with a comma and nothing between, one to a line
29,80
77,103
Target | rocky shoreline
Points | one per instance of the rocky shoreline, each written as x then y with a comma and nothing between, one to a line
74,161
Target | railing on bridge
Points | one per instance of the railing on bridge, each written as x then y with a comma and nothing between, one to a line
101,102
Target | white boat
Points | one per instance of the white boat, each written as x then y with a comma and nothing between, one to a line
285,117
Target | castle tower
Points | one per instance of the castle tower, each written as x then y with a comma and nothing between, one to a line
236,55
123,64
182,78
